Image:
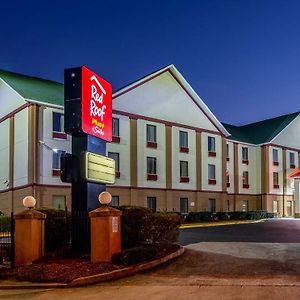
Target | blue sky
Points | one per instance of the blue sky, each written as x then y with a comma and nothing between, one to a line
242,57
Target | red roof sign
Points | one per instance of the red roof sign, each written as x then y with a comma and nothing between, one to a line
96,105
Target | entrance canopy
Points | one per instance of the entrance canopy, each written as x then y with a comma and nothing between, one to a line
294,174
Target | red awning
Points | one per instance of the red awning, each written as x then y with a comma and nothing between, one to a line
294,174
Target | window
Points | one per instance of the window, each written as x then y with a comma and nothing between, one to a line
211,142
115,127
227,179
212,205
275,180
211,174
184,205
56,159
58,122
275,157
115,201
151,203
275,206
59,202
227,152
245,156
228,206
245,205
151,168
289,208
184,171
151,133
245,179
116,157
183,141
292,160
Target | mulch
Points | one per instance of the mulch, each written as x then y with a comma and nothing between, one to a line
65,270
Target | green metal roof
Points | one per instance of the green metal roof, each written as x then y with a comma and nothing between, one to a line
35,88
260,132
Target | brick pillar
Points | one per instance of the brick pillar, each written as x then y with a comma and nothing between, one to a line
29,236
105,233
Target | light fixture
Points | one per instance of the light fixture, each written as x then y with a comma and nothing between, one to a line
29,202
104,198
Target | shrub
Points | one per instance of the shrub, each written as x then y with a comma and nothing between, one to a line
135,255
141,225
201,216
5,223
56,228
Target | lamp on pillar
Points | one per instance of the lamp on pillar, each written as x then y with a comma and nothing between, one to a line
29,202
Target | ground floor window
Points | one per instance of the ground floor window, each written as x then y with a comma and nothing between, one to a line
151,203
289,208
212,205
245,205
228,205
115,201
184,205
59,201
275,206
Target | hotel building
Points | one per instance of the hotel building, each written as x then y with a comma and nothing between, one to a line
171,152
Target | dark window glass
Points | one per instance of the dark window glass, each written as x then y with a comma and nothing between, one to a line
183,139
56,159
115,201
184,205
212,205
244,153
151,203
211,142
275,155
116,157
211,172
184,168
292,158
151,165
151,133
115,127
58,122
245,177
275,178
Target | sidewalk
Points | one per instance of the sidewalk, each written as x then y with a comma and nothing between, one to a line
220,223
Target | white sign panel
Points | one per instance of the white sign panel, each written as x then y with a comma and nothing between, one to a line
100,169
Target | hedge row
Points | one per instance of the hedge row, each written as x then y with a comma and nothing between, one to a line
204,216
5,223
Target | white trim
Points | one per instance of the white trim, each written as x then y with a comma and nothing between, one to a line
182,80
45,103
12,89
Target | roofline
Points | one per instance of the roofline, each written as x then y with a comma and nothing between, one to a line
44,103
6,83
190,91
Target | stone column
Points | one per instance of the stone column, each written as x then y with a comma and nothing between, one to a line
29,236
105,233
297,197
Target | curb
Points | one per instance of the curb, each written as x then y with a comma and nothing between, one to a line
114,275
199,225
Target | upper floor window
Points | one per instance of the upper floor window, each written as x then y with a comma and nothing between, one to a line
115,201
275,180
183,141
116,157
56,159
151,203
115,127
151,168
151,136
211,142
227,152
245,155
58,122
292,160
275,157
184,166
211,171
245,179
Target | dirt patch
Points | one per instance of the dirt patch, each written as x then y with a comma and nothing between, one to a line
217,265
64,270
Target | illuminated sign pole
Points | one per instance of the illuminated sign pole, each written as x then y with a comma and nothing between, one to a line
88,117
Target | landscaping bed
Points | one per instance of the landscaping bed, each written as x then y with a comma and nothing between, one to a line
65,270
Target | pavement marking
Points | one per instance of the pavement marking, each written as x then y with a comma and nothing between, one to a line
187,226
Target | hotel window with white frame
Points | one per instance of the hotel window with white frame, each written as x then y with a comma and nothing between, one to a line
227,152
211,145
56,154
211,174
151,168
115,201
116,157
151,136
275,157
245,155
58,126
275,180
59,201
115,130
245,179
151,203
183,141
292,160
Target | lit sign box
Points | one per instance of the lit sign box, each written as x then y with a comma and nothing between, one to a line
98,168
96,105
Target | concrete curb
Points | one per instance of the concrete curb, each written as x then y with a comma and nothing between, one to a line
215,224
114,275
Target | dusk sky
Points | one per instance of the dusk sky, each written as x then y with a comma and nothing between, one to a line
242,57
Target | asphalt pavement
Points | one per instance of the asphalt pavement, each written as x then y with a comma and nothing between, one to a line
270,231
